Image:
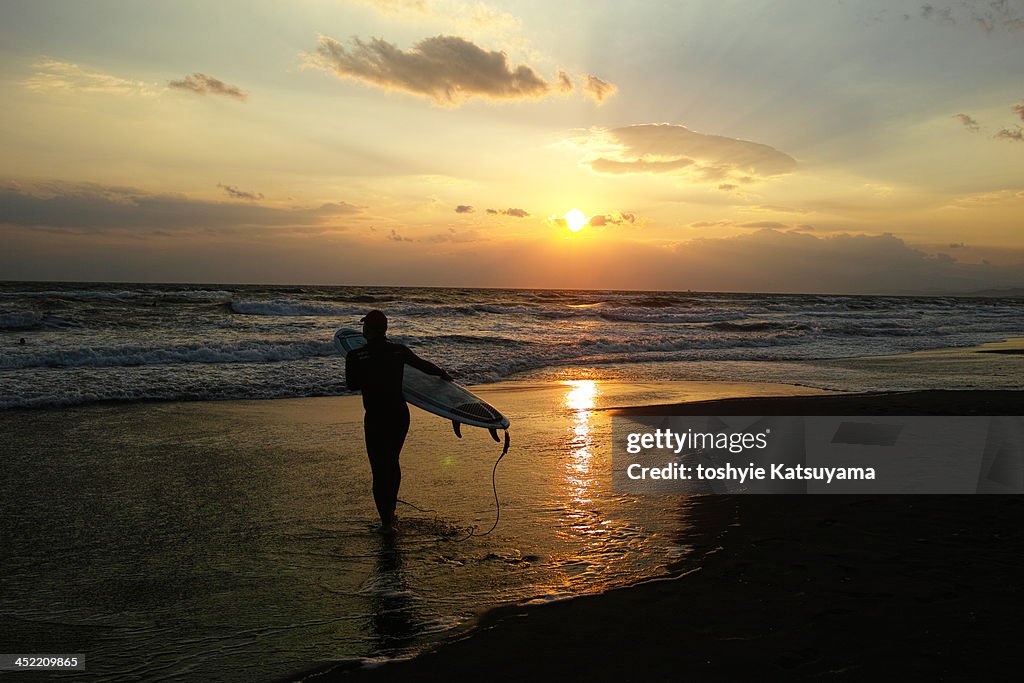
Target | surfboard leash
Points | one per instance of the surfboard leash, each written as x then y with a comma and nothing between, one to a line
494,489
497,503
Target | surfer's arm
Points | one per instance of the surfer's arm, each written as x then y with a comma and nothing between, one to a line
353,376
425,366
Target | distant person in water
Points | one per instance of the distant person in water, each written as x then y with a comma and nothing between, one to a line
376,369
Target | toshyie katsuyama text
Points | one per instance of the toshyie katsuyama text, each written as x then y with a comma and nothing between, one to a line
692,442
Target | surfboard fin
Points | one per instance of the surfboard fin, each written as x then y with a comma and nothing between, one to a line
507,442
494,434
457,428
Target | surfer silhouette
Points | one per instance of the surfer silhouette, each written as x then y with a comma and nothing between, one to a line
376,370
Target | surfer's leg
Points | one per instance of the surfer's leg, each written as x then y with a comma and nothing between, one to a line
378,448
400,428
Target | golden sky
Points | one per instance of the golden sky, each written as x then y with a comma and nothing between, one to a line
738,146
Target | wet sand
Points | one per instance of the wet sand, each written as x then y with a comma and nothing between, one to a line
992,365
917,587
234,540
948,402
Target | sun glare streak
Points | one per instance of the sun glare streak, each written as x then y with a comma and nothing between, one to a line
581,399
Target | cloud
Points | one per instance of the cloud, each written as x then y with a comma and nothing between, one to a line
989,15
666,148
798,261
987,200
1018,109
612,166
55,76
88,207
782,209
202,84
942,15
235,193
968,122
453,235
395,237
728,187
516,213
464,208
1016,135
614,218
446,69
755,225
752,261
597,89
564,83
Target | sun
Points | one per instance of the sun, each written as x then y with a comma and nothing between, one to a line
575,220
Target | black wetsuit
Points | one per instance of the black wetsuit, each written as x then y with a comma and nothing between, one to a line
376,369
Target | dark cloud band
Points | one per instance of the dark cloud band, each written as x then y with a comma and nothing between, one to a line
90,207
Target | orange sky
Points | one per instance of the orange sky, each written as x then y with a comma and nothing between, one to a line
764,146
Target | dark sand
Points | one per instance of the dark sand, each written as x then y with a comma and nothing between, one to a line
917,587
948,402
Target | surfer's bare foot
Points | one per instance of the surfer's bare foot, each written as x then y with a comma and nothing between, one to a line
386,530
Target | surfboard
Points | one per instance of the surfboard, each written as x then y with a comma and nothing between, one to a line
435,395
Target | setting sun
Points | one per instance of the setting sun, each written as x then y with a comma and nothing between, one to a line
575,220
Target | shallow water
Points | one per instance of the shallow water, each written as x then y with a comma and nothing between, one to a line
235,540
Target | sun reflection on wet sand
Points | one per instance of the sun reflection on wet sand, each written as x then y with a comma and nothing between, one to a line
600,539
581,399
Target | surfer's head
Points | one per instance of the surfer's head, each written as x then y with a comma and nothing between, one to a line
375,324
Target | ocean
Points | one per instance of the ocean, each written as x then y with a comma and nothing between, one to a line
86,343
169,534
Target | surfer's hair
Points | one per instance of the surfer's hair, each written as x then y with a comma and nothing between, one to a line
375,320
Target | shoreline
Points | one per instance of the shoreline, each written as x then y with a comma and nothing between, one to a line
771,605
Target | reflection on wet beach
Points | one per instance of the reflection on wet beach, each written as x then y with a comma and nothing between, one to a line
235,540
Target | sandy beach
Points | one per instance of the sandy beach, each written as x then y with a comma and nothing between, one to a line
782,586
234,540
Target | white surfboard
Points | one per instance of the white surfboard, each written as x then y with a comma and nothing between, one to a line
435,395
